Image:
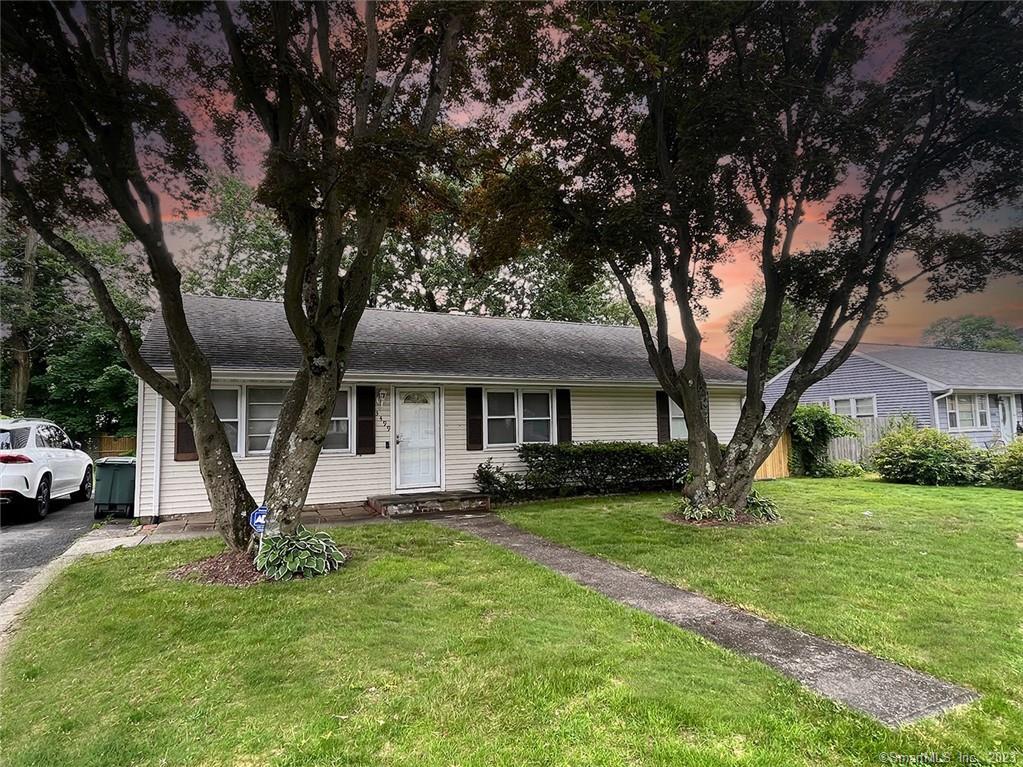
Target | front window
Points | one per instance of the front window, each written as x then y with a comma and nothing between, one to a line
854,407
501,418
516,416
263,408
679,429
339,431
953,413
225,402
536,416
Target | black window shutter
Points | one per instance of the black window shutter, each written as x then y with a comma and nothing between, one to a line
663,419
365,420
563,398
473,418
184,440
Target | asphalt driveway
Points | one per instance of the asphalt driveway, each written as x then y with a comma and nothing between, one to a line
25,547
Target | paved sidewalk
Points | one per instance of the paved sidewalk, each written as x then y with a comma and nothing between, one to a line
890,693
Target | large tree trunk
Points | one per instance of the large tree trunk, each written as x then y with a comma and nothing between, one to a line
287,483
20,342
228,495
21,372
725,478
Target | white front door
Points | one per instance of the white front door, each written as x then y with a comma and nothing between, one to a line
418,439
1005,417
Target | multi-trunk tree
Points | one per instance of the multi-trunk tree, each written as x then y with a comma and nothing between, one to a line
675,133
350,103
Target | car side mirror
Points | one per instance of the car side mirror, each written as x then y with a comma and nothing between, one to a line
78,446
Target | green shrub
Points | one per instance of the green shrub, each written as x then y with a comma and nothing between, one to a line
812,428
842,468
761,507
689,511
604,467
929,457
586,468
1007,466
499,484
304,554
758,507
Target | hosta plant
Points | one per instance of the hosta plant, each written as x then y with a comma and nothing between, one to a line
306,553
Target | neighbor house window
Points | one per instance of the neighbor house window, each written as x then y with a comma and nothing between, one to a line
968,411
536,416
263,408
225,402
679,430
501,417
965,406
953,413
855,407
339,432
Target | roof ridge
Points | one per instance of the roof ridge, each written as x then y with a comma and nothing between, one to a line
939,348
433,314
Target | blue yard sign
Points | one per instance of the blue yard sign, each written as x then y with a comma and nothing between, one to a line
257,519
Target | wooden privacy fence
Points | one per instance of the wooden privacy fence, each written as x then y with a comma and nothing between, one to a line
777,464
856,447
111,446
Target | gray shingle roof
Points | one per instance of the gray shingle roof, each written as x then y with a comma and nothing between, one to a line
952,367
254,335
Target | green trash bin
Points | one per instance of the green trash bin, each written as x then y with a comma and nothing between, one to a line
115,486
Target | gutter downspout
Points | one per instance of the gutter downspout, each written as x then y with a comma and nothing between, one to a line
140,411
157,452
937,421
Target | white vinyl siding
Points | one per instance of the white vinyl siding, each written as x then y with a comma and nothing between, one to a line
340,476
598,413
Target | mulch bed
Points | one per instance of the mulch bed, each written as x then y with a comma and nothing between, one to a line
229,568
741,520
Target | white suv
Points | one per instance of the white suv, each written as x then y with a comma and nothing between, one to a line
39,462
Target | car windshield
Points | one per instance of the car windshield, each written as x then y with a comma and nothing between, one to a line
13,439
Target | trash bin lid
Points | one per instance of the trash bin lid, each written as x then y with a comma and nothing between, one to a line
121,459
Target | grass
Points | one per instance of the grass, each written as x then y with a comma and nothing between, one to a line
928,577
431,648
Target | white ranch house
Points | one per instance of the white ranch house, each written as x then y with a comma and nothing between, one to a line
426,399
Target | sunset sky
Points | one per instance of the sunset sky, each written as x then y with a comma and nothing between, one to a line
906,317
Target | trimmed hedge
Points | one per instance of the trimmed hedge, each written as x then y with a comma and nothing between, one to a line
588,467
930,457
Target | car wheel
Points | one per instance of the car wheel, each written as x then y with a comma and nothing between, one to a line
41,505
84,491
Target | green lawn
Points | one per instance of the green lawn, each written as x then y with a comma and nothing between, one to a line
928,577
435,649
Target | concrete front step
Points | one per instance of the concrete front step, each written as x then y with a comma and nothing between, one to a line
430,504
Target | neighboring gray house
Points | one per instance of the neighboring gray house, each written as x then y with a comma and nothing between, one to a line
973,394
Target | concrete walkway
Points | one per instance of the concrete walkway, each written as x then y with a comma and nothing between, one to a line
892,694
